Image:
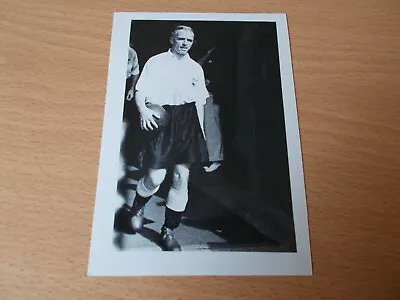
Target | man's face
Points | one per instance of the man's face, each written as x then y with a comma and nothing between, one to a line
182,41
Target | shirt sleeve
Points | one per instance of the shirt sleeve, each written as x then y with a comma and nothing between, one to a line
133,63
144,82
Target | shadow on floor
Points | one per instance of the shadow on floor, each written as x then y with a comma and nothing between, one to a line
122,228
205,213
150,234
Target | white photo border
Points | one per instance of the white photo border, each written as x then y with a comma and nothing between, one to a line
106,260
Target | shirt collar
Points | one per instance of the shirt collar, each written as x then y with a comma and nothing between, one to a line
186,57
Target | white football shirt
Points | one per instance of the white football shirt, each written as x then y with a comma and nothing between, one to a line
165,79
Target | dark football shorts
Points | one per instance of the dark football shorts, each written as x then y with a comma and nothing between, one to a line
181,141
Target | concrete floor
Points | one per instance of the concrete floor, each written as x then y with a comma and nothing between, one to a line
213,220
206,225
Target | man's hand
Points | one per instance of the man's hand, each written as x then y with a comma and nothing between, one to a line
147,121
129,96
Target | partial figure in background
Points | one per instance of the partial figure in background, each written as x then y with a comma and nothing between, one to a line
132,74
130,147
212,127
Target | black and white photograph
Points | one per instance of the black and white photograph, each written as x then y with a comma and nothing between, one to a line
200,169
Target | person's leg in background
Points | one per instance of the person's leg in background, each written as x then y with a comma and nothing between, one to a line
213,134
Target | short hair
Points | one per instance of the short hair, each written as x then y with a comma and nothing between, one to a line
181,27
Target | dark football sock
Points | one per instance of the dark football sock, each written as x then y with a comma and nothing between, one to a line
172,218
138,203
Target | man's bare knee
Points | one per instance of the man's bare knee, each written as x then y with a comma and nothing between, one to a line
180,177
154,178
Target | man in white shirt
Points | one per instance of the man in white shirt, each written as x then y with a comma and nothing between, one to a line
173,80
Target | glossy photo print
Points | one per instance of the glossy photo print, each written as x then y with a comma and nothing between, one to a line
200,168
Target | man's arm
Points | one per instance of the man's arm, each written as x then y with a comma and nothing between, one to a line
140,99
133,72
147,115
131,92
147,121
134,79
